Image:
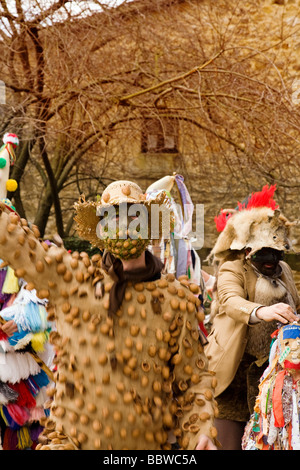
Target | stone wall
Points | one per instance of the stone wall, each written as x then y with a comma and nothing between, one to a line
266,25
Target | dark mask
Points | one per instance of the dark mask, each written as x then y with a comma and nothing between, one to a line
266,260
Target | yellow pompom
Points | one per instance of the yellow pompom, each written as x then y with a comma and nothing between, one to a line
11,185
38,341
11,282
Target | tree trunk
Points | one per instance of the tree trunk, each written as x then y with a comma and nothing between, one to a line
54,191
43,212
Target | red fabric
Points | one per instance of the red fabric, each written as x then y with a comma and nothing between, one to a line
10,440
275,333
291,365
25,398
202,328
277,400
3,336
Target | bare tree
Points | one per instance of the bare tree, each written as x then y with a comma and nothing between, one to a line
47,102
216,79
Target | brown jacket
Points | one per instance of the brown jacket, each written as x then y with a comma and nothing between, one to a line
235,303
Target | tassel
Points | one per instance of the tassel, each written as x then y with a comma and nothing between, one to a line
3,416
37,414
20,339
11,283
32,316
8,393
35,431
24,439
38,341
41,379
25,397
10,440
43,316
8,420
34,389
36,317
18,414
18,367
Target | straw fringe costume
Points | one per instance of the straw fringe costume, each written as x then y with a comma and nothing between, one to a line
127,372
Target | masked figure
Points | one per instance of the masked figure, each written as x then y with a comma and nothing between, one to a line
130,366
255,292
274,425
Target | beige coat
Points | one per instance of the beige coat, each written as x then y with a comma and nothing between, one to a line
235,303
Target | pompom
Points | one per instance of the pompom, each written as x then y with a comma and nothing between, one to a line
11,185
9,138
38,341
11,282
2,162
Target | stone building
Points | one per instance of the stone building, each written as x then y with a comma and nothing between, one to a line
205,89
192,124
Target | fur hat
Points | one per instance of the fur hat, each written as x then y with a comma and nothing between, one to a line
256,224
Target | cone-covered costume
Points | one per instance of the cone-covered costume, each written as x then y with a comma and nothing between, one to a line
239,344
22,382
129,368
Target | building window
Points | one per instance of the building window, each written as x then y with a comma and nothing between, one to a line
159,135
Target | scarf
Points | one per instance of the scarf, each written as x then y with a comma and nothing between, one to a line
114,268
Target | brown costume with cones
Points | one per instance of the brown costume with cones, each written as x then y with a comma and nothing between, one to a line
123,381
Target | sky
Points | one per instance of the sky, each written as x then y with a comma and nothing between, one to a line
75,7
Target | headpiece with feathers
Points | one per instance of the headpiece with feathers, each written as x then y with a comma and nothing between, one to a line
255,223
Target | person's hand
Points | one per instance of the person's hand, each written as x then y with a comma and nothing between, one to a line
205,443
280,312
9,328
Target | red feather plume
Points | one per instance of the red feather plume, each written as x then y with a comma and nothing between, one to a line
263,198
221,220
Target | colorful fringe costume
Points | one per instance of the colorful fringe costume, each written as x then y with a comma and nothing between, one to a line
274,424
22,381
